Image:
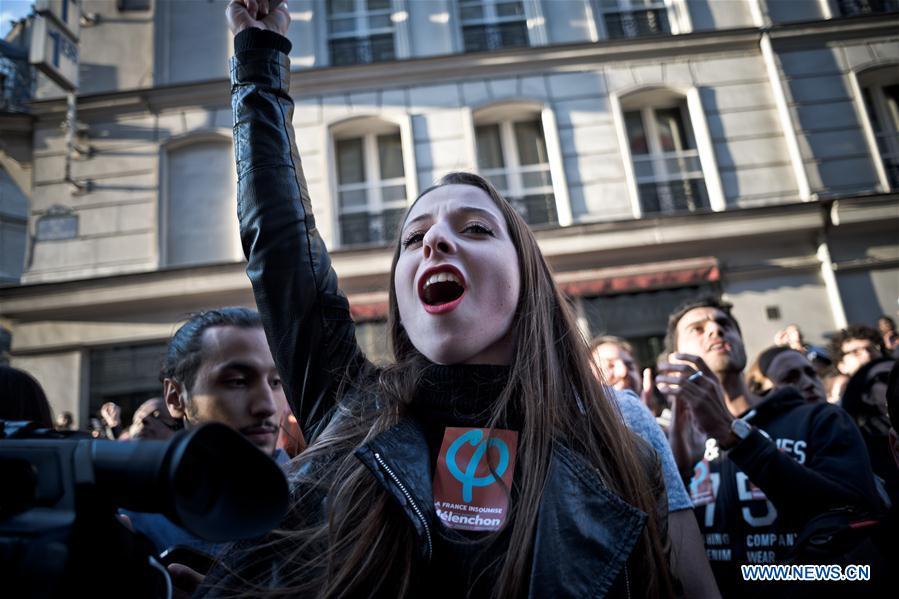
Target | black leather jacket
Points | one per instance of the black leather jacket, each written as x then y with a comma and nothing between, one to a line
584,534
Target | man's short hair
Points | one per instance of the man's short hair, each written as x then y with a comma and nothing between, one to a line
854,331
603,339
185,351
703,301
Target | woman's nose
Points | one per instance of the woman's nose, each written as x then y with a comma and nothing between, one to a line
437,239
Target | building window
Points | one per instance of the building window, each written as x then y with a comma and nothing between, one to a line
360,31
16,83
198,222
133,5
667,169
371,187
882,105
634,18
849,8
512,155
493,24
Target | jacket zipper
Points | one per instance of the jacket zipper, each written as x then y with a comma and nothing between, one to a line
409,499
627,583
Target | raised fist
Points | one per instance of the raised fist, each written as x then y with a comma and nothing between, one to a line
111,413
271,15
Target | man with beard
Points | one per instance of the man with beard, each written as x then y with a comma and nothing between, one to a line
760,468
218,368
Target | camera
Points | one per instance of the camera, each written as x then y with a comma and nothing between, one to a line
59,530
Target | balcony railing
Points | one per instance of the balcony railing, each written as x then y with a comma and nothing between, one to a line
537,209
368,228
636,23
529,189
478,38
670,182
850,8
362,50
669,197
361,221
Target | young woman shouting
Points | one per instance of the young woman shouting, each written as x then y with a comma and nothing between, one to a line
486,460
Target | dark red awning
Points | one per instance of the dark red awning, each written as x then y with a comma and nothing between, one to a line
580,283
640,277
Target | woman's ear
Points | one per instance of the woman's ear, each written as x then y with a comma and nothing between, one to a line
175,398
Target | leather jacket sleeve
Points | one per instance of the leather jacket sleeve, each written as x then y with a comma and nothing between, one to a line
306,316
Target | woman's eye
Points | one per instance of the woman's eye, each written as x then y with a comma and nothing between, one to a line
478,229
413,238
238,382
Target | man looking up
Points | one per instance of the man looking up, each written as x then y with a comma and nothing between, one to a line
761,467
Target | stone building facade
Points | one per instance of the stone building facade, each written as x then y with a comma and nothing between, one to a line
659,148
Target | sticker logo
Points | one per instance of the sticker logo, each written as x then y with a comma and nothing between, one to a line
468,494
469,478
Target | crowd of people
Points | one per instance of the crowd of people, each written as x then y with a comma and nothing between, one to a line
501,454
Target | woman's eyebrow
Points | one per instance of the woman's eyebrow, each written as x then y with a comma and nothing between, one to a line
420,217
476,210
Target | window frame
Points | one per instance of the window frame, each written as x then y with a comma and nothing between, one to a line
875,78
368,128
676,11
399,19
655,97
180,142
535,24
508,113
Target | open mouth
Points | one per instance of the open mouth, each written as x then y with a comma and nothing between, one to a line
441,289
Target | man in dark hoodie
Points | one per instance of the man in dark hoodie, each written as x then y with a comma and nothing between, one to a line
760,468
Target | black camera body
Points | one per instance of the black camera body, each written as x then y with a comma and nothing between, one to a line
59,530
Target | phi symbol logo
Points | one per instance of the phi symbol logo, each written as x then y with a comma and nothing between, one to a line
468,478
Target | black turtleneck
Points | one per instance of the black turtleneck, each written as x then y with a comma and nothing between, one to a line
461,396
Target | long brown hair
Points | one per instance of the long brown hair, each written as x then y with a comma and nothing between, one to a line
366,545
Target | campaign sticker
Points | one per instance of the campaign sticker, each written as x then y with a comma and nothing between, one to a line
467,495
702,491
